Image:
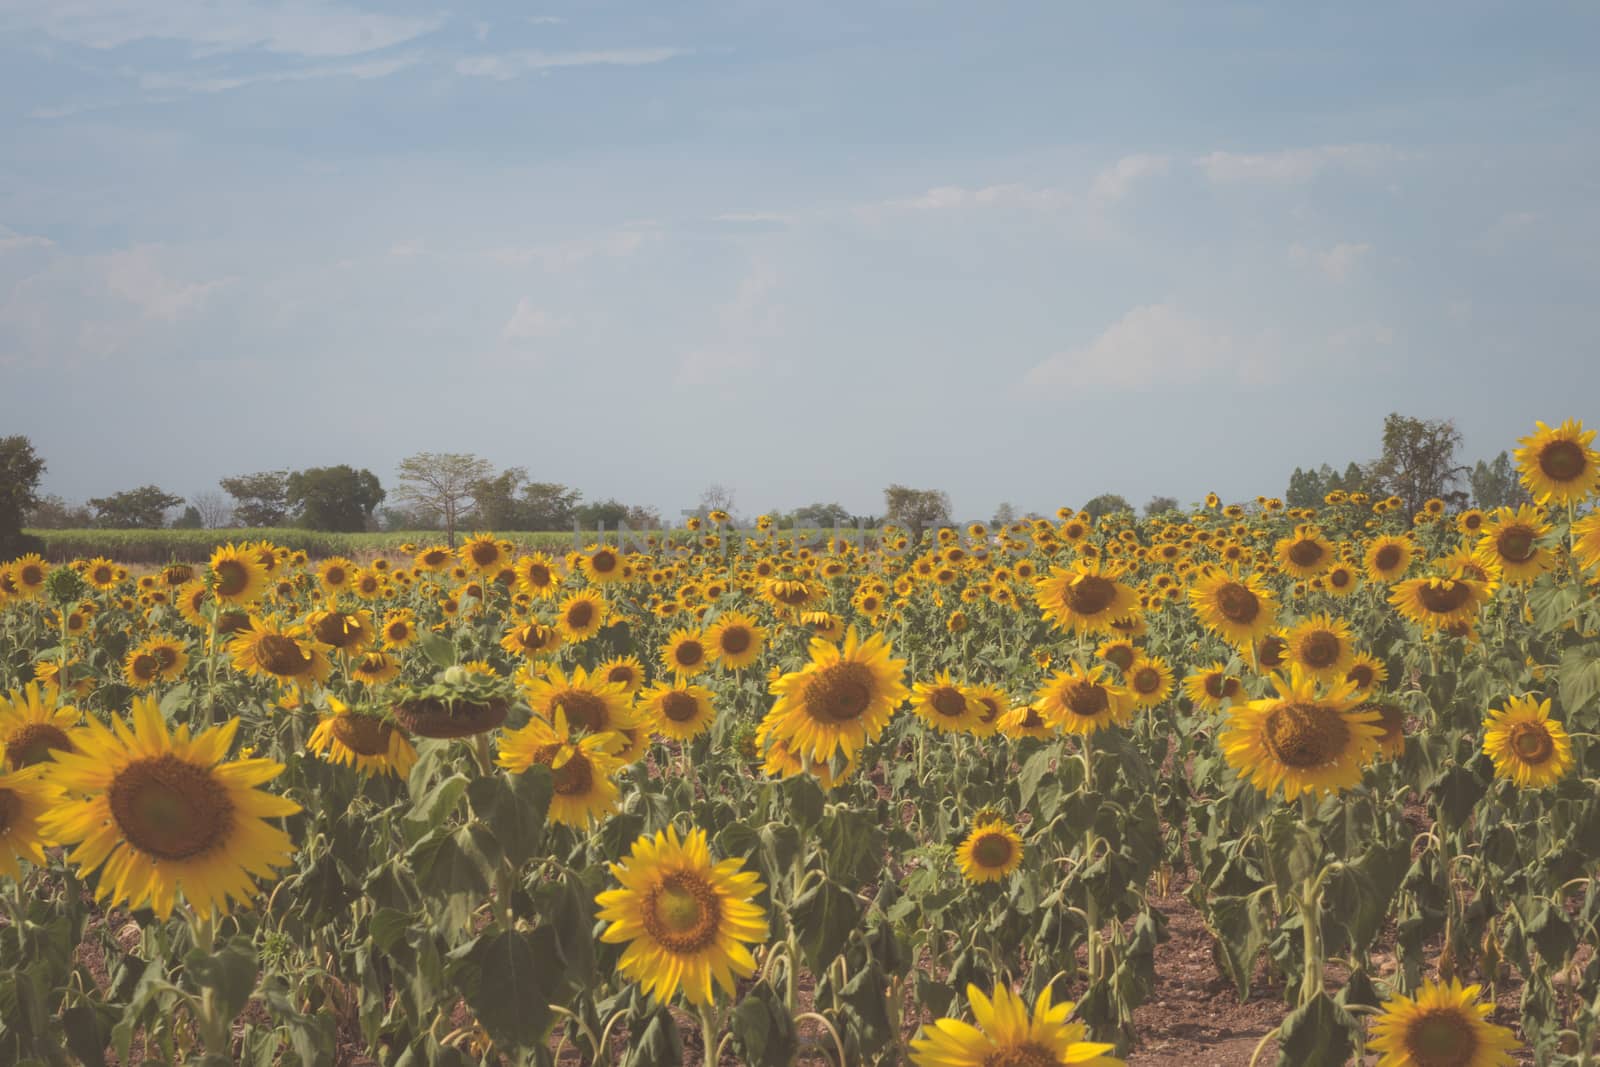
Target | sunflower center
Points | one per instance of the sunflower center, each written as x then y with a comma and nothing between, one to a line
144,666
1445,598
1441,1038
165,655
1320,649
1516,543
1562,461
620,675
682,913
1305,553
1305,735
1085,700
1339,578
735,639
33,743
1217,685
1237,603
1027,1054
688,653
1090,595
574,778
841,692
992,850
581,707
1270,651
538,575
990,709
580,614
1362,674
338,630
278,654
948,701
679,706
233,622
365,735
170,809
233,577
1532,743
603,562
102,575
484,553
1121,655
1146,680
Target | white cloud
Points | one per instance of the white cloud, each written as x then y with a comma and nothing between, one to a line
508,65
1337,262
409,249
528,323
363,71
1291,165
1117,180
308,28
560,255
137,277
754,218
1157,344
743,325
12,241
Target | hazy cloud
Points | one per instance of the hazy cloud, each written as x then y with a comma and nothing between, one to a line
1291,165
1156,344
508,65
1337,262
528,323
1117,180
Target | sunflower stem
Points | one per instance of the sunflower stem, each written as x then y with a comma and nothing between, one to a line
708,1033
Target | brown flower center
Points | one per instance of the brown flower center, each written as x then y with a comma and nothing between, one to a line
574,778
144,667
1090,595
484,553
580,614
682,913
1563,461
233,577
365,735
338,629
1532,743
992,850
688,653
1320,649
604,561
1237,603
734,640
1303,736
840,692
679,706
33,743
1362,674
1086,700
170,809
948,701
1146,680
1121,656
1515,543
1305,553
1441,1038
1269,653
1027,1054
1445,597
538,575
277,654
582,708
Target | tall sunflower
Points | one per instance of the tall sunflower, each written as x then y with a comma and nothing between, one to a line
840,700
1321,646
686,652
735,639
1150,681
1442,1026
1212,687
157,812
1301,741
581,766
1240,608
237,575
370,743
945,705
1526,744
25,795
269,650
33,729
589,701
1438,603
626,671
990,852
1008,1036
1306,554
1511,539
685,919
1086,597
582,614
1078,701
482,553
537,575
1557,464
602,564
679,710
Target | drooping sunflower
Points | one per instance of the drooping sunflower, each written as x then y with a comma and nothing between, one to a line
1079,702
269,650
1438,603
1212,688
678,710
370,743
582,615
582,767
686,653
374,668
1305,554
32,728
1238,607
1301,740
945,705
1150,681
685,919
25,795
238,576
1511,539
1557,464
993,704
531,639
347,631
589,702
735,639
1321,646
840,700
1008,1036
158,812
1085,597
537,575
779,761
626,671
1526,744
1442,1026
990,852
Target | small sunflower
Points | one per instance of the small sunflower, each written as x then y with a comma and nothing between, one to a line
399,630
990,852
840,700
1008,1036
945,705
1150,681
374,668
678,710
735,639
434,559
268,650
626,671
1526,744
103,574
1442,1026
1212,688
1239,608
581,766
32,728
602,565
531,639
1077,701
1439,603
589,702
237,575
482,553
369,743
1511,539
1085,597
993,704
1321,646
1586,541
686,920
686,653
582,614
1557,464
1366,673
335,574
537,575
1306,554
346,631
1301,741
1341,580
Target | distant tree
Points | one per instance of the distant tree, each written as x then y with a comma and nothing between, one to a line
822,516
916,510
189,520
405,519
337,498
260,499
54,513
20,468
1419,461
550,506
440,484
1107,504
1496,485
643,517
144,508
716,498
1005,514
215,511
1308,487
1354,480
611,512
1160,505
494,500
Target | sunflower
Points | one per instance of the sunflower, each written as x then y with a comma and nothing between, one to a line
686,653
678,710
990,852
626,671
25,795
581,767
1511,539
1557,464
589,702
686,920
1078,702
735,640
369,743
434,558
1306,554
792,594
347,631
482,553
1299,740
1442,1026
1007,1036
191,600
33,728
103,574
1119,652
1150,681
1085,597
140,669
993,704
237,575
157,812
944,705
399,630
28,574
840,700
368,585
1212,688
1340,580
268,650
1526,744
1239,608
1320,645
537,575
1366,673
582,615
1438,603
1392,720
823,624
374,668
531,639
1586,541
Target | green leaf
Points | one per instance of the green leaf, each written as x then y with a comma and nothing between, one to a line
763,1033
230,973
824,918
507,980
439,650
658,1043
1317,1035
439,803
514,808
855,842
1242,928
1578,677
1294,852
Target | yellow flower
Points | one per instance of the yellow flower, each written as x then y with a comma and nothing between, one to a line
1557,464
1441,1025
1526,744
1300,741
1008,1036
990,852
842,699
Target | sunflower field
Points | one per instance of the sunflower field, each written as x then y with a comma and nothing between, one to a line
739,796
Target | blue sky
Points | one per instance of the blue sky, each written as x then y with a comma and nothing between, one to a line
1018,251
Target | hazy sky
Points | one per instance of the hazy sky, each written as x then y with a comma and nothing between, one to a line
1018,251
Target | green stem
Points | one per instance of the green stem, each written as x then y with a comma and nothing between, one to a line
708,1033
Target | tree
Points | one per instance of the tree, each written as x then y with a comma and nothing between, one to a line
821,516
1107,504
611,512
1160,505
213,508
551,506
1005,514
1496,484
1419,461
440,484
915,510
54,513
20,468
494,500
144,508
338,498
716,498
1308,487
260,499
189,520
